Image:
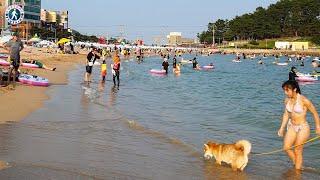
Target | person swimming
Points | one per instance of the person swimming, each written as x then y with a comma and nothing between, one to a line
260,62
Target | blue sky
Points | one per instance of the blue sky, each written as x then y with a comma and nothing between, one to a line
149,19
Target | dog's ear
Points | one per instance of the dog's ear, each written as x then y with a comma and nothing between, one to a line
211,143
206,146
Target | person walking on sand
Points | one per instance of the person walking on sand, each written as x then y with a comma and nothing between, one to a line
91,58
294,120
14,46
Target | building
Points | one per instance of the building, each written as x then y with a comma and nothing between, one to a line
292,45
58,19
175,38
282,45
32,9
299,46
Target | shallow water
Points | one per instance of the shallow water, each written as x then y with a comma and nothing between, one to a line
154,127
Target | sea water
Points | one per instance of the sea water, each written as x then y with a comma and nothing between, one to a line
154,127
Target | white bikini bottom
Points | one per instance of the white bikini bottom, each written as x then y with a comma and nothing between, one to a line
297,127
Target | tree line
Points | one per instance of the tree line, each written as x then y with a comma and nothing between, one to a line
48,34
286,18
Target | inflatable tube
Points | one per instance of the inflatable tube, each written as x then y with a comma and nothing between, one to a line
4,62
282,64
306,79
208,67
157,71
4,56
186,62
33,80
29,65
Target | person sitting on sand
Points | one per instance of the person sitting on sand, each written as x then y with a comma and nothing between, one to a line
41,65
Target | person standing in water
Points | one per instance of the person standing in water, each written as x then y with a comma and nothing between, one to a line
103,70
195,63
116,69
91,58
295,122
174,63
165,64
293,73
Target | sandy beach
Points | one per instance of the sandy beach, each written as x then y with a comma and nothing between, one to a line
22,101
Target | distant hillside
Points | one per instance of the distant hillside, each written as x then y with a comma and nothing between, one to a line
286,18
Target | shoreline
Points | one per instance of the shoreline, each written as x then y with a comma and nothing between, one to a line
24,100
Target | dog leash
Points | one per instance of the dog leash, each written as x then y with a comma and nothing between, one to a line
280,150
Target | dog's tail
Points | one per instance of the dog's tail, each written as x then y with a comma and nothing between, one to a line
244,145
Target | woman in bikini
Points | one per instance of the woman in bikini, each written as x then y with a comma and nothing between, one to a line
294,118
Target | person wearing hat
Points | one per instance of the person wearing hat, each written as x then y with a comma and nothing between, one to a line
14,47
293,73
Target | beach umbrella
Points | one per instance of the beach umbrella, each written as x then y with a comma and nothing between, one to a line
63,41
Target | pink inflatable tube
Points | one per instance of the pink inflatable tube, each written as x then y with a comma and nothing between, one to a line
208,67
157,71
33,80
4,63
306,79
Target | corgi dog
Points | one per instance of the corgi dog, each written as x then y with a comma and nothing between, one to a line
234,154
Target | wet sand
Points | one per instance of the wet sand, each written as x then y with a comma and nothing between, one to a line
22,101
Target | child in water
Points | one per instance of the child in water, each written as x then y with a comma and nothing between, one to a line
103,70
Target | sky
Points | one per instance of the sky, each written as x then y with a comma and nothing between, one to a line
149,19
